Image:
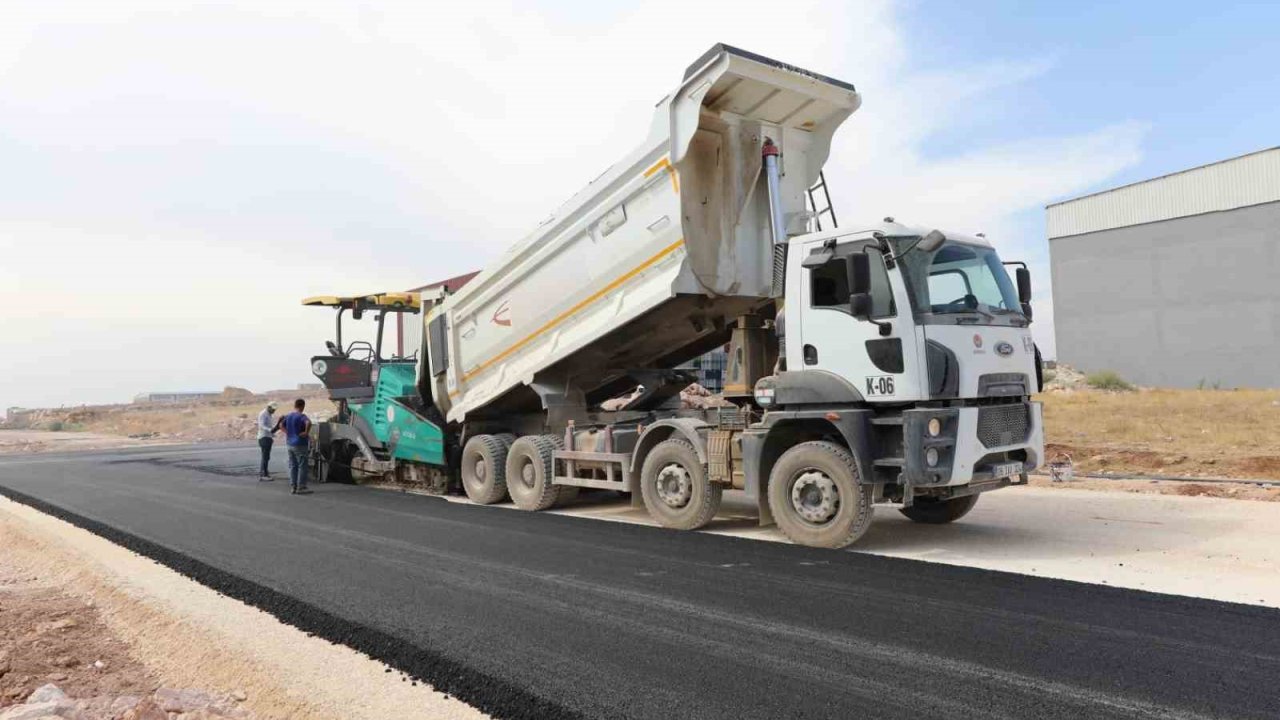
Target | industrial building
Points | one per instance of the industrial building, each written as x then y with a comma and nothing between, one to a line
1173,281
176,397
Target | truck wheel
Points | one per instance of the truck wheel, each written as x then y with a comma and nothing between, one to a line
816,498
529,471
938,512
675,488
484,462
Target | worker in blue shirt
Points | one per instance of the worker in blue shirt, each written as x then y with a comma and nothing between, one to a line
297,430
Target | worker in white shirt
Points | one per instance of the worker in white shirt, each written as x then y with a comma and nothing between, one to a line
266,428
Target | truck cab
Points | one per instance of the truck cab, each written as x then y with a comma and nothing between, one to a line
915,347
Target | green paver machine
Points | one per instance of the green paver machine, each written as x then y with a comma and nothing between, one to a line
382,429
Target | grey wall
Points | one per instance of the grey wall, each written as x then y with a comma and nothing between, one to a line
1176,302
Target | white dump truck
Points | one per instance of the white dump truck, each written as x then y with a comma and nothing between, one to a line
882,363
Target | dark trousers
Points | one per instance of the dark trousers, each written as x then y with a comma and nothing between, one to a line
298,466
265,444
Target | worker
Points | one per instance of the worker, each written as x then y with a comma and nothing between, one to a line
266,429
297,430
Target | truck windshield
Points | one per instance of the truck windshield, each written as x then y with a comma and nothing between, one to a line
958,278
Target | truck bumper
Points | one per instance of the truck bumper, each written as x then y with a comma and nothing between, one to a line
976,444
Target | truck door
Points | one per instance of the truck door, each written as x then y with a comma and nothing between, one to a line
832,339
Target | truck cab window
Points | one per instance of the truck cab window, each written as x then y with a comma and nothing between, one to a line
829,287
829,284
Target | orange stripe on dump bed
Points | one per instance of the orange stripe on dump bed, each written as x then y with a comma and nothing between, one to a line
571,311
665,163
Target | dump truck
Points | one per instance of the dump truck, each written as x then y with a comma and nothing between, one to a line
883,363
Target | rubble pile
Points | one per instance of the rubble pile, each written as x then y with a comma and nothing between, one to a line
693,397
697,397
1064,378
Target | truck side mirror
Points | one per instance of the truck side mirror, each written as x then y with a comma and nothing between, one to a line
859,274
860,305
931,242
1024,290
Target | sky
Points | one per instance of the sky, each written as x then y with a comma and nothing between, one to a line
174,178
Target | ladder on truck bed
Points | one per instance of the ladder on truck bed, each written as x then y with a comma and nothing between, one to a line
828,209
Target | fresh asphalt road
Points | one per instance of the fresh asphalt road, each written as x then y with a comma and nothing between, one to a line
614,620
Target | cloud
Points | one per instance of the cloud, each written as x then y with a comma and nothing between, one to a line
177,177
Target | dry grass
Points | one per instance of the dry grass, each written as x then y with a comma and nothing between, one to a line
1207,433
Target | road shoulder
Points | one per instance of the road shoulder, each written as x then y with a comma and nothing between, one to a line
188,635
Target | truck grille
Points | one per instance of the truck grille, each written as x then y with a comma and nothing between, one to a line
1003,424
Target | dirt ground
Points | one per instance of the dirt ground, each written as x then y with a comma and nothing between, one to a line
1227,490
59,658
232,418
50,637
70,599
40,441
1186,433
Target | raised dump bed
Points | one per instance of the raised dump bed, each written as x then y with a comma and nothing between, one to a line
647,265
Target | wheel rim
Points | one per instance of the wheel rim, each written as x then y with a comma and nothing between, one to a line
527,474
815,497
674,485
481,470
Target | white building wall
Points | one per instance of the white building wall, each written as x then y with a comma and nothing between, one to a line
1247,180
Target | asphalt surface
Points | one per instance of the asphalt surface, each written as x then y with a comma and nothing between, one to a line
540,615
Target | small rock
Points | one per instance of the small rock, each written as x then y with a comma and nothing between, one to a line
46,693
182,701
239,695
145,710
123,704
97,707
98,664
43,711
64,661
201,714
63,624
57,677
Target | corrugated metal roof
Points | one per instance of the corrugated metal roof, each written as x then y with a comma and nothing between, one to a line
1250,179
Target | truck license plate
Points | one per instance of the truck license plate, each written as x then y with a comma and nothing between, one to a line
1004,470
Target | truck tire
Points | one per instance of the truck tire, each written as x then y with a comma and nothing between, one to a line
529,471
484,465
933,511
816,497
675,487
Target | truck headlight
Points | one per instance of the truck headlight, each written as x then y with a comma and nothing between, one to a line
931,456
935,427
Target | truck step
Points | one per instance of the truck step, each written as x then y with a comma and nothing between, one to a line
890,462
892,420
619,485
